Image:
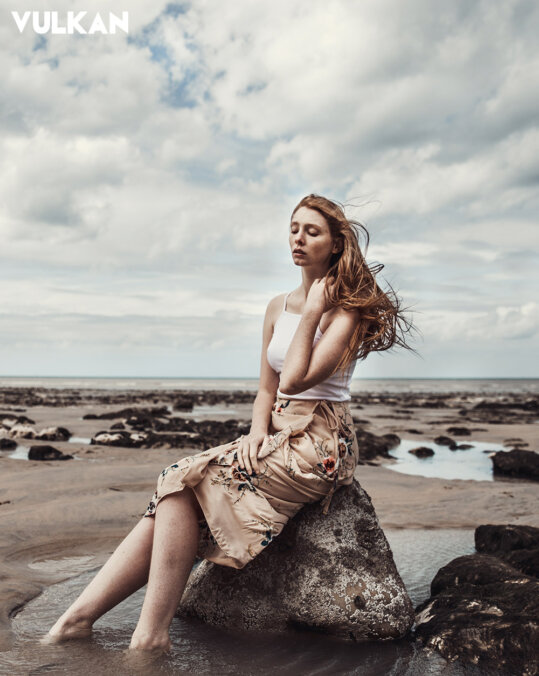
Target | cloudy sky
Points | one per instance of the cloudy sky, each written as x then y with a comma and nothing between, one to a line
147,180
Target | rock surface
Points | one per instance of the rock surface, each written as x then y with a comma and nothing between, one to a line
517,463
422,452
484,611
372,445
334,574
44,452
516,545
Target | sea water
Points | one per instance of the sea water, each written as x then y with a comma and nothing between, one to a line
359,385
201,649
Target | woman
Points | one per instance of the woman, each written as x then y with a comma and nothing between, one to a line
226,504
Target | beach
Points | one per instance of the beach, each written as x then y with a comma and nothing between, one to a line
84,506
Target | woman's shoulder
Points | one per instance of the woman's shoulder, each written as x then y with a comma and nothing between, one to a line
277,301
274,308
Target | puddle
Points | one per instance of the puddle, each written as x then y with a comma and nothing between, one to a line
67,565
473,463
21,453
201,649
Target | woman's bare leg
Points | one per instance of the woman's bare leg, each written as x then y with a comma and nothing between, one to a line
175,544
125,572
122,574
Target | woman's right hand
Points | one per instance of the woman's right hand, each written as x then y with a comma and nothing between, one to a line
248,448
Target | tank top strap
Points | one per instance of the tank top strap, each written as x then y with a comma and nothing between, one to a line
285,299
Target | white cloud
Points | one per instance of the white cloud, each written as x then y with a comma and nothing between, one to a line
154,176
511,323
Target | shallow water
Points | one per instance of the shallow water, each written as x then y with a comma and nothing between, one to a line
200,649
472,463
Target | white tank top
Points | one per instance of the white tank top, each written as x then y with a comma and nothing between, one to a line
334,388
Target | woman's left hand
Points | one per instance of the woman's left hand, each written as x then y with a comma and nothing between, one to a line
316,300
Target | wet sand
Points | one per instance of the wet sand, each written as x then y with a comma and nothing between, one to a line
85,506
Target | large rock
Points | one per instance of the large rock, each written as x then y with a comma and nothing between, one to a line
517,545
484,611
517,463
333,574
44,452
372,445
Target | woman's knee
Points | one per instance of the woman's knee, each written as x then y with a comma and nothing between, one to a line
187,493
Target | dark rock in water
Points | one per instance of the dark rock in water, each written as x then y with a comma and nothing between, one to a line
54,434
7,444
517,463
531,404
372,446
460,447
484,611
414,431
331,573
212,433
174,433
430,402
22,431
391,439
422,451
184,402
498,539
7,420
443,440
121,438
459,431
118,426
141,420
44,452
515,544
525,560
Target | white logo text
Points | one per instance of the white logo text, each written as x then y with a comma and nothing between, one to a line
49,22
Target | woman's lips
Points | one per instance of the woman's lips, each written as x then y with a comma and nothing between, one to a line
298,253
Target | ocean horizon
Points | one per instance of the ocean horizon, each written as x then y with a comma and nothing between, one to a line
358,385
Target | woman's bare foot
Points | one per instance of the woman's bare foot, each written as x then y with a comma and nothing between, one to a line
66,628
153,642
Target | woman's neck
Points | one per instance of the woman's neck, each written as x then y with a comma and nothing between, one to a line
308,275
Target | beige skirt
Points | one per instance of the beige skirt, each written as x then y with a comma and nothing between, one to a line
312,450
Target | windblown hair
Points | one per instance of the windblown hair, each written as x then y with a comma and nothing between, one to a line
354,286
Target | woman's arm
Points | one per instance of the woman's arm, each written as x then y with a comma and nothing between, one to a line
269,379
305,366
248,447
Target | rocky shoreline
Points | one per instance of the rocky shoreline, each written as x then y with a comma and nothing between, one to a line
124,438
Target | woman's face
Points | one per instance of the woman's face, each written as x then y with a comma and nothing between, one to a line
310,234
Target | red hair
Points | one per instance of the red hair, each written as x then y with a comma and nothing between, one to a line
354,286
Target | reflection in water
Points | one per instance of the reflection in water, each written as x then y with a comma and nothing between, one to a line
201,649
472,463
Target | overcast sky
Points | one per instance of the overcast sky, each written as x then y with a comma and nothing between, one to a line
147,180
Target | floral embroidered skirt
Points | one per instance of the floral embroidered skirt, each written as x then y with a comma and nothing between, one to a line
311,451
